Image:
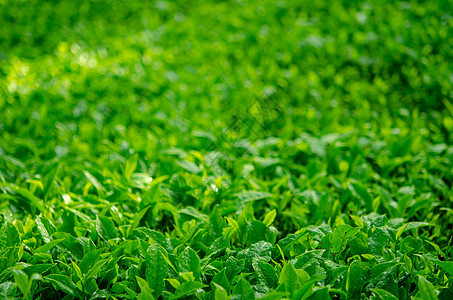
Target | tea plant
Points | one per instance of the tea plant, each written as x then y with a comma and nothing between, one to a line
226,150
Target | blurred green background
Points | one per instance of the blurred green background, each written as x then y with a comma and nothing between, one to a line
76,73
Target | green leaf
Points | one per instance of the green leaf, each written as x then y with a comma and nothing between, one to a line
384,295
65,284
356,278
189,261
156,269
187,288
340,237
317,146
426,289
190,211
7,290
233,267
221,279
156,237
146,291
48,246
269,218
288,277
141,180
77,270
306,290
9,235
256,231
438,183
94,181
45,228
137,219
33,201
446,265
216,223
265,273
89,260
95,269
410,225
401,230
38,268
131,165
262,250
320,293
243,291
276,296
105,228
247,196
21,280
13,161
71,244
189,166
362,194
220,293
383,267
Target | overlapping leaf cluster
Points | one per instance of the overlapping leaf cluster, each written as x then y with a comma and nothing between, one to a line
136,160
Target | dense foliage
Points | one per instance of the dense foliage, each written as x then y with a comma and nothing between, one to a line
226,149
